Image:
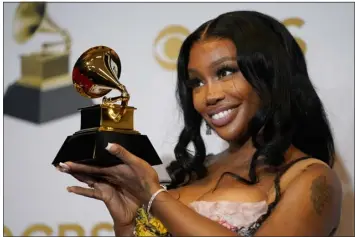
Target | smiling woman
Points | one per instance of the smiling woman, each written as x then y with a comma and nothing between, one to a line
221,94
246,77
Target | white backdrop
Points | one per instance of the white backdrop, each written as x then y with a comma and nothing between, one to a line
34,192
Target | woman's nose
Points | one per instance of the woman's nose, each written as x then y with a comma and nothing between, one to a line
214,94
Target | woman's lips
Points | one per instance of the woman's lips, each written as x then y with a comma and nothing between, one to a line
223,118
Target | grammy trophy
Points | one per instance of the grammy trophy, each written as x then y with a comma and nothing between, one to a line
95,74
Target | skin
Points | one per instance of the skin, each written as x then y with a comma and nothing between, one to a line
311,191
221,88
121,204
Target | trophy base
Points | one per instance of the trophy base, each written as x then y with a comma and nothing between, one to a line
38,106
98,116
88,147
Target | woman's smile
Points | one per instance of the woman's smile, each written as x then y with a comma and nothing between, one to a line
223,117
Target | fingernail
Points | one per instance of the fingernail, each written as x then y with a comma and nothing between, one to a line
109,145
69,189
64,166
62,169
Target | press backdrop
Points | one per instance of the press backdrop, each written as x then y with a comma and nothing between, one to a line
147,36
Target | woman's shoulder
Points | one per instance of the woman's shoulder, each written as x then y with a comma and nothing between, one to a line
316,174
307,173
310,191
307,168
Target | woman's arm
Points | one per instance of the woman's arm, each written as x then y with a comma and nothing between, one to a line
310,206
123,230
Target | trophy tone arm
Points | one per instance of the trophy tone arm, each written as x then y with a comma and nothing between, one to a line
67,42
124,98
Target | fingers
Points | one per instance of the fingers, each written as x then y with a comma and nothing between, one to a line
85,179
86,192
71,167
119,151
91,175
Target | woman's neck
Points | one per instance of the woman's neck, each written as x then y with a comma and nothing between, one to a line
236,147
241,154
238,154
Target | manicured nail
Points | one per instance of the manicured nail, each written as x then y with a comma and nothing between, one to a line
109,145
63,170
64,167
59,169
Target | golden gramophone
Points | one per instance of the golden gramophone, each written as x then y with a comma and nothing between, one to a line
44,91
95,74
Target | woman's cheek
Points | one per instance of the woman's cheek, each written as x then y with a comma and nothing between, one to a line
198,98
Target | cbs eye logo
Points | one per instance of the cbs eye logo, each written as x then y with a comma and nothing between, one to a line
298,23
167,45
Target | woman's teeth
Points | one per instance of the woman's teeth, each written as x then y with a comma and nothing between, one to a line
221,114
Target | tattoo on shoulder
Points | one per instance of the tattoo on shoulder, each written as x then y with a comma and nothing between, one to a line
321,193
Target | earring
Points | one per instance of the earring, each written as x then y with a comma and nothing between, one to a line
208,129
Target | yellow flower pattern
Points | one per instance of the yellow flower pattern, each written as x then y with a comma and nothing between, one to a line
146,225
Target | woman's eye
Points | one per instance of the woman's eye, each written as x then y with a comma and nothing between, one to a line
200,83
226,71
193,83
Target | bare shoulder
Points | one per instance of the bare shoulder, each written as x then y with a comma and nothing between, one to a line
310,205
323,187
317,177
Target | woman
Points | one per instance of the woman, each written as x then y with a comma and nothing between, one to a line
245,76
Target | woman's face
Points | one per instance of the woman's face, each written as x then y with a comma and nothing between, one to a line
221,94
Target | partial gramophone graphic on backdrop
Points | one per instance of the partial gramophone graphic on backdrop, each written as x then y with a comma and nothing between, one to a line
96,72
168,42
44,91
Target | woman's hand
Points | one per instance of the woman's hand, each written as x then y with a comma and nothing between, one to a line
121,205
135,176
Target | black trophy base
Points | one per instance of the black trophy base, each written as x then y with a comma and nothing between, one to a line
36,106
89,148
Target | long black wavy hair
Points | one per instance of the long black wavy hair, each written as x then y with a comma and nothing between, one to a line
273,63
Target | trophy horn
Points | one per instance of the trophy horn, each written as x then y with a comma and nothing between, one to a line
31,17
97,72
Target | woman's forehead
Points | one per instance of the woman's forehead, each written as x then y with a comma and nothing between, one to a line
210,51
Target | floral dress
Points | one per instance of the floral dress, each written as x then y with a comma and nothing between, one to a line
240,217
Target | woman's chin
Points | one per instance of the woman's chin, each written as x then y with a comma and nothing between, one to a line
230,135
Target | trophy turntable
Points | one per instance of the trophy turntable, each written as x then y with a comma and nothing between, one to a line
95,74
